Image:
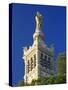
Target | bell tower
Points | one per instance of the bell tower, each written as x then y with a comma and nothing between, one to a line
38,58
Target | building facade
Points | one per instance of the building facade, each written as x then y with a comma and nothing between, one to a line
38,58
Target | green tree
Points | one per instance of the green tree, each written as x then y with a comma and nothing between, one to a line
51,80
60,79
61,63
33,82
21,83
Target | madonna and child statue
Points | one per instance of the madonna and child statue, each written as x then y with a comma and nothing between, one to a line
38,19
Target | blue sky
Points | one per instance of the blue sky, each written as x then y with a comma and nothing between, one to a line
23,27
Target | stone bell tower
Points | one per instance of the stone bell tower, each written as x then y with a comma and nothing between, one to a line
38,58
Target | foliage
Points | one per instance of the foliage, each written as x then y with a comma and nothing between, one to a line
61,63
59,79
21,83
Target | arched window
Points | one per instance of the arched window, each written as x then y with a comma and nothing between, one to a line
31,63
49,64
34,60
43,60
27,66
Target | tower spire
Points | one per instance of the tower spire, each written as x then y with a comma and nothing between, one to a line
38,35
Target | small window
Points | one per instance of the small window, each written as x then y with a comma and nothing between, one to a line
45,57
41,56
49,58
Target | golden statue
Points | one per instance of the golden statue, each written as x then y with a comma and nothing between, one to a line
38,21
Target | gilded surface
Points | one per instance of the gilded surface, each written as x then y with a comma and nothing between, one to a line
38,21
